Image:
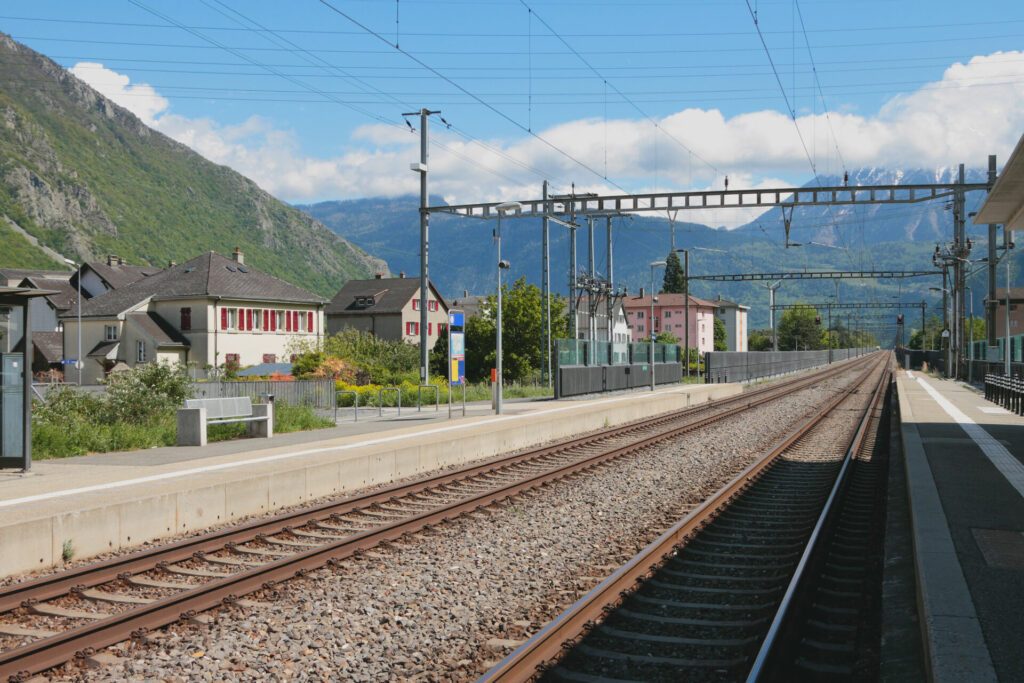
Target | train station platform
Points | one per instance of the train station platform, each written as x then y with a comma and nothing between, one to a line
964,462
85,506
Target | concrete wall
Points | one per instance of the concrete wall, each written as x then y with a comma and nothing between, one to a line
32,535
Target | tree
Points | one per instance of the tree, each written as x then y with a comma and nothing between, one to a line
721,336
674,282
932,334
439,357
799,329
522,332
760,340
665,337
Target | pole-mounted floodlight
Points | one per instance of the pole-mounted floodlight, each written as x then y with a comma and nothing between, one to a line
502,265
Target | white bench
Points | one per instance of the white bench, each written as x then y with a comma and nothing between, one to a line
200,412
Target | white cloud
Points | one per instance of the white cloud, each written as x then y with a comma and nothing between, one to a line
974,110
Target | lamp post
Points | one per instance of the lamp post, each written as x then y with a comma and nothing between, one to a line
78,357
945,317
502,265
1006,345
650,323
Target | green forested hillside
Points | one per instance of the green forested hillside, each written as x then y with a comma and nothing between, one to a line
86,178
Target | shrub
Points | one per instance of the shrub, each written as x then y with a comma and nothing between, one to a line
146,392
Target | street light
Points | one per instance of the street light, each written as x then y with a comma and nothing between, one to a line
502,265
78,358
650,323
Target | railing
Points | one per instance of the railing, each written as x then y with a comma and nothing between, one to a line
419,397
742,366
1006,391
318,393
591,353
380,400
355,403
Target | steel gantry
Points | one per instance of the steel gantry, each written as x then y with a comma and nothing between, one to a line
574,205
591,204
819,275
830,306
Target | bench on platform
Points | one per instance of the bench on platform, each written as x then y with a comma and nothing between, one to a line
200,412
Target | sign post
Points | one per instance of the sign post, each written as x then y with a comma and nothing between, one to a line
456,355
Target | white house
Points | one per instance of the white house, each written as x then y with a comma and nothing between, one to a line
206,312
734,316
388,308
592,320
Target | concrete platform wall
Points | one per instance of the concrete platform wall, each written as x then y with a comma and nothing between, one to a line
33,536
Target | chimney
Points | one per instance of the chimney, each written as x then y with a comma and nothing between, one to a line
641,292
111,259
401,275
465,294
379,276
171,264
238,256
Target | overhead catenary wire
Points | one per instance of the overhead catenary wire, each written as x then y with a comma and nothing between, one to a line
483,102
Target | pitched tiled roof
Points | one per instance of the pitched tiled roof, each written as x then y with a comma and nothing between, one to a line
50,345
121,275
666,300
64,296
15,275
158,329
389,295
209,275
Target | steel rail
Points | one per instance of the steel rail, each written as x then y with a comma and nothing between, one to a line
94,574
772,637
549,644
48,652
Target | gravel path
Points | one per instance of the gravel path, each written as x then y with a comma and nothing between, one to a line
445,605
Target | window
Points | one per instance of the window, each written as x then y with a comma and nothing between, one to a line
668,314
432,306
110,332
257,320
230,357
269,358
416,304
186,319
140,351
412,329
278,320
640,315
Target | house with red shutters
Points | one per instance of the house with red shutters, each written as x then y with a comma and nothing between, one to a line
205,313
389,308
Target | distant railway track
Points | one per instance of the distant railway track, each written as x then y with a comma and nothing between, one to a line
47,621
730,591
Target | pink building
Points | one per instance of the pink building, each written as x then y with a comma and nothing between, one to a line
670,316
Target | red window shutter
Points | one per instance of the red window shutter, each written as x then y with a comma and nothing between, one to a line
223,318
273,321
309,321
248,319
295,321
430,328
287,321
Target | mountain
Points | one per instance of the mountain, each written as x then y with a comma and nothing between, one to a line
893,237
82,177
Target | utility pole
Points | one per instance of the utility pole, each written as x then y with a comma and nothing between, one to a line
573,318
945,313
611,276
771,311
1006,333
545,309
991,304
686,293
421,168
591,267
960,269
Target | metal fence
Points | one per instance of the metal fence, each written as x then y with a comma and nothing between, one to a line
742,366
317,393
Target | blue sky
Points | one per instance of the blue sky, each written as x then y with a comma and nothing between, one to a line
628,95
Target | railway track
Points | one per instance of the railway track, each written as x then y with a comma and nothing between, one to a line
53,619
731,591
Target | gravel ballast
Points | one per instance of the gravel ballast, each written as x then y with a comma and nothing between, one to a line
447,603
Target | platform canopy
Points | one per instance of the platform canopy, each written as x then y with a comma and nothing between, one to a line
1005,202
